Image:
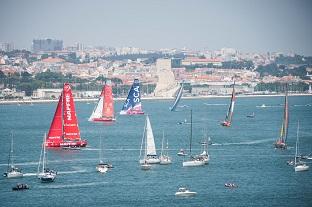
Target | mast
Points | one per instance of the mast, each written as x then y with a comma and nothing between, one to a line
143,139
162,144
191,134
286,115
10,159
100,154
297,144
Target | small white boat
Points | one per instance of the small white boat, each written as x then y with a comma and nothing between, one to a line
146,166
182,153
102,168
148,145
263,106
12,171
193,163
184,192
164,156
299,165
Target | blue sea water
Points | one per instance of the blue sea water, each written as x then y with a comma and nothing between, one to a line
242,154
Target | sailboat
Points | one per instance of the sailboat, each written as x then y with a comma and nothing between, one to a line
64,130
299,165
12,171
45,174
193,161
204,155
104,110
228,119
150,155
164,156
177,98
281,141
102,167
133,104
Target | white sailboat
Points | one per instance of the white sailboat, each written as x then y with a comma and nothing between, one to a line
299,165
193,161
12,171
46,174
150,155
204,155
164,158
102,167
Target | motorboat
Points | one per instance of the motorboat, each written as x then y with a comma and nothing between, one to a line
20,186
184,192
182,153
146,166
230,185
102,168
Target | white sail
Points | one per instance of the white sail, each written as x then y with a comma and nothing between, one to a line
151,149
98,110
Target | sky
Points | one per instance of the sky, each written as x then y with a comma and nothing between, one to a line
246,25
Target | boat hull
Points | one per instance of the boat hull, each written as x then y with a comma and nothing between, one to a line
47,178
301,168
81,143
185,194
279,145
102,169
13,174
146,166
150,161
103,120
226,124
193,163
165,160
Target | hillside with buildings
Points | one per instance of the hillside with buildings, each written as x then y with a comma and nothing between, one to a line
41,72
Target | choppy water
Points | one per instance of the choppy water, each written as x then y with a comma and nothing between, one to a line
242,154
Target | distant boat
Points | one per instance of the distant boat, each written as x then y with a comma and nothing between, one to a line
102,167
150,155
64,130
177,98
133,104
204,155
182,153
228,119
104,110
12,171
251,115
45,174
20,186
164,156
184,192
281,141
263,106
299,165
192,161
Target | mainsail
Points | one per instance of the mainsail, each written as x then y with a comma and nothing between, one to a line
104,110
228,119
55,135
177,99
64,129
150,149
281,141
132,104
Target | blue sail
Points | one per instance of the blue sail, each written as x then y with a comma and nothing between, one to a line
132,104
177,100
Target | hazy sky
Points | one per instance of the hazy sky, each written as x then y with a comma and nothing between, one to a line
247,25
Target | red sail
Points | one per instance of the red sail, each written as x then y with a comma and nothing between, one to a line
54,137
71,129
108,104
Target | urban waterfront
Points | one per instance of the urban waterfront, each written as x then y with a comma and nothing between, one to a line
242,154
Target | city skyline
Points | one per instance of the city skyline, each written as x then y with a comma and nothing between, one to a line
248,26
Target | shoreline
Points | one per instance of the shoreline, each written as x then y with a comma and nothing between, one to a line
40,101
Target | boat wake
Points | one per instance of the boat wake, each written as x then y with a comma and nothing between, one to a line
270,106
246,143
207,104
72,185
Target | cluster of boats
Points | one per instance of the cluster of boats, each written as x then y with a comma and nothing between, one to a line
64,133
